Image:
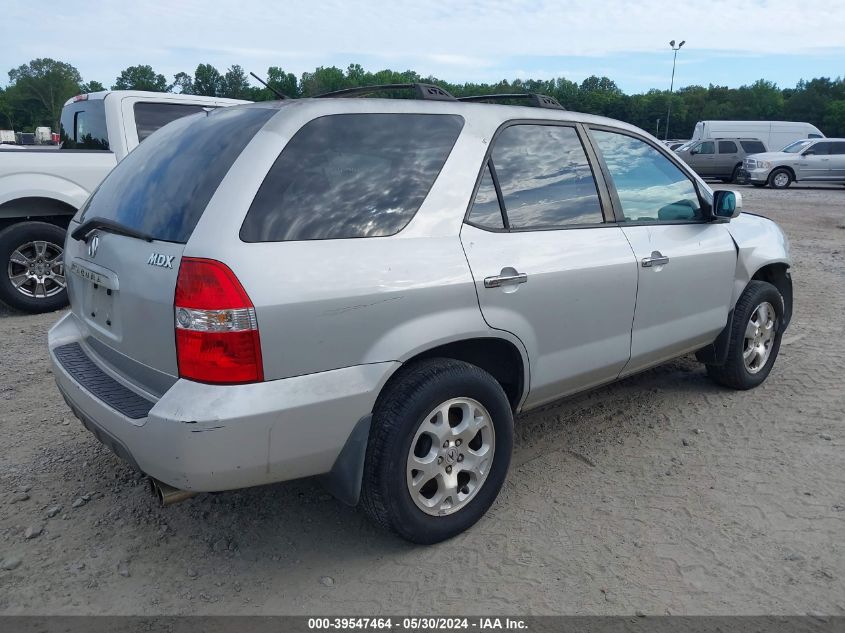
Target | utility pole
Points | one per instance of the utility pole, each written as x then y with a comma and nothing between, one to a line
672,85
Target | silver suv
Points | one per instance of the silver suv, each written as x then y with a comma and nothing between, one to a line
369,290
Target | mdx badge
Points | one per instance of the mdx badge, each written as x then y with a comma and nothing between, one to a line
157,259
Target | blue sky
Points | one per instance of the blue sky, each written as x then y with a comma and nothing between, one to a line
727,42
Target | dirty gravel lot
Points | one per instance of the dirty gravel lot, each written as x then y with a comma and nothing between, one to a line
660,494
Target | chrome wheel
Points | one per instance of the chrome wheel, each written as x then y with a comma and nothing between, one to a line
450,456
36,269
759,337
781,179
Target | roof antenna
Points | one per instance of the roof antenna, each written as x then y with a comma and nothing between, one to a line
269,87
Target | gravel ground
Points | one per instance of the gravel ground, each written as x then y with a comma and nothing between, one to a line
661,494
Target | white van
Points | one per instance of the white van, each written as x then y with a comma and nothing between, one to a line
43,135
775,134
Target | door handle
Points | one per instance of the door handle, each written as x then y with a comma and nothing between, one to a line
657,259
505,280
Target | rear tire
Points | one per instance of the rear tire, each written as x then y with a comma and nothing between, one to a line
428,404
32,267
754,339
780,178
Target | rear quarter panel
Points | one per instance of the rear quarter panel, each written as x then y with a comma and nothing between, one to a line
329,304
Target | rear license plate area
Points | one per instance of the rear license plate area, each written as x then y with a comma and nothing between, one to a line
98,293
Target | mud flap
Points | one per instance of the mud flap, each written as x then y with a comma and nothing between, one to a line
717,352
344,479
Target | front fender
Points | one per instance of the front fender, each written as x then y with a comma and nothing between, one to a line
759,242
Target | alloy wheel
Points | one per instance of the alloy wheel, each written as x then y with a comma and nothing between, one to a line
759,337
36,269
450,456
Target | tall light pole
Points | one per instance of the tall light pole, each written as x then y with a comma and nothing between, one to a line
672,85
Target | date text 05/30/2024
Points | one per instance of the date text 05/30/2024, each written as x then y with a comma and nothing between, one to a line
417,624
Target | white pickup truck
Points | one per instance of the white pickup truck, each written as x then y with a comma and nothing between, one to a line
41,189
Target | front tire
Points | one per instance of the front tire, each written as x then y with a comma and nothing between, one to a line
439,450
780,178
32,276
756,332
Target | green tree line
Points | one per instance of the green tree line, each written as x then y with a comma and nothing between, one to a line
37,90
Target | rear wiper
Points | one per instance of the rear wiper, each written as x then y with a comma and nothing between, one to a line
110,226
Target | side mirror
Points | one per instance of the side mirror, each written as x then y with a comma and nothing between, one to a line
693,151
727,204
809,152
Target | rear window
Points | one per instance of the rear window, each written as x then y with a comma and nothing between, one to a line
151,116
351,175
164,185
83,125
753,147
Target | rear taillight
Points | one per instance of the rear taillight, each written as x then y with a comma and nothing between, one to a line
216,329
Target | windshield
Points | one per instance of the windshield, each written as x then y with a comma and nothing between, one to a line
685,146
797,146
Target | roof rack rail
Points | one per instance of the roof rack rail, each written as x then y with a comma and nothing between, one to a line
537,100
421,91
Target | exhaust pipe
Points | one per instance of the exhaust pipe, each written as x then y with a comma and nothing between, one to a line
168,495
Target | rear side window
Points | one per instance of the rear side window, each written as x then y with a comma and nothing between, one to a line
163,186
837,148
753,147
151,116
545,177
83,125
351,175
727,147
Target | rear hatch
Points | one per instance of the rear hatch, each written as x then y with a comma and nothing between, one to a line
124,249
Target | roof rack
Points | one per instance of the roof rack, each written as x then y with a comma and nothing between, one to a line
421,91
537,100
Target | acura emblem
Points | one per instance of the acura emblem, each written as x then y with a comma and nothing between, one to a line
93,245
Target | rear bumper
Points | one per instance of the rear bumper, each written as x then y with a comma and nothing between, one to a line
211,437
